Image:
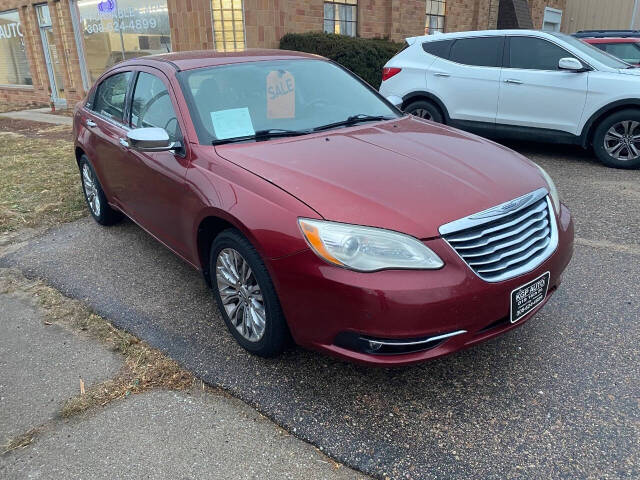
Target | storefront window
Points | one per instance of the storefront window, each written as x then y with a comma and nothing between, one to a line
228,24
14,67
117,30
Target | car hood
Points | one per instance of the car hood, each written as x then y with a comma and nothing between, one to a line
406,175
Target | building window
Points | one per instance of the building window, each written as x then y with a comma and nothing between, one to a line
435,17
113,31
341,17
228,25
14,67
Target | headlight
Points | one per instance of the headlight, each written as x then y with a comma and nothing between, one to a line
366,249
553,191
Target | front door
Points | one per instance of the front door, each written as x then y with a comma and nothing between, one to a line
156,180
535,93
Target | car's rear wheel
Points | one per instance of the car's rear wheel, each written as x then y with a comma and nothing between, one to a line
425,109
246,295
616,141
94,195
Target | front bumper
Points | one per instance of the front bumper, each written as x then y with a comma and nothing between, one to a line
323,303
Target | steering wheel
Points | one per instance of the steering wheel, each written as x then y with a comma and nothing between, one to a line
147,106
317,103
166,127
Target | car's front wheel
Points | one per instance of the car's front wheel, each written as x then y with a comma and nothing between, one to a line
246,295
425,109
94,195
616,141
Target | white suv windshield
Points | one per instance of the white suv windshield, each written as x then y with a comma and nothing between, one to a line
593,52
276,97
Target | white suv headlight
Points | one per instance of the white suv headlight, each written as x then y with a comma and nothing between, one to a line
366,249
553,191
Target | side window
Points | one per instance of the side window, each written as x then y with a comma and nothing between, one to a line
440,48
535,54
111,96
152,107
480,52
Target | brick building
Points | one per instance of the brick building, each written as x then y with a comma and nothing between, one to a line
53,50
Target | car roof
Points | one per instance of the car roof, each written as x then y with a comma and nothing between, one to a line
606,33
479,33
208,58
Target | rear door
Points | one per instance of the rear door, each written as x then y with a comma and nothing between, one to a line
467,79
535,92
104,118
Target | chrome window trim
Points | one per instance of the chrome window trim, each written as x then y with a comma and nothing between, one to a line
497,212
110,121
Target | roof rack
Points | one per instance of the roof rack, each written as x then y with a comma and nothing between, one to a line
606,33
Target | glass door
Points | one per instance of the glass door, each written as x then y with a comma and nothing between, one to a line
51,55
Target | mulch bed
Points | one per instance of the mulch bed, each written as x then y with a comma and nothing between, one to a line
39,130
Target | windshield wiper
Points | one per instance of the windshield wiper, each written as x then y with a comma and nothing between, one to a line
353,120
262,135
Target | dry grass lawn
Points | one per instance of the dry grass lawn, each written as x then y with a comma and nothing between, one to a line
39,181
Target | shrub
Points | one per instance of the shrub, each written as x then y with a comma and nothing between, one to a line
363,56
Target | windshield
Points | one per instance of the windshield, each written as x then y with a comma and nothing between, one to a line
593,52
236,101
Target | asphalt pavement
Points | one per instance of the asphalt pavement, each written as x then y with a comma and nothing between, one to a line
556,398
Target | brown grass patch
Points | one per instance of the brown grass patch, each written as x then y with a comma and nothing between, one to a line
37,130
12,107
21,441
39,184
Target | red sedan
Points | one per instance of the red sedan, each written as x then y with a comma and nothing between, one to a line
316,210
625,48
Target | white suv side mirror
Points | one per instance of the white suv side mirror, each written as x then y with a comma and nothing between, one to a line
570,64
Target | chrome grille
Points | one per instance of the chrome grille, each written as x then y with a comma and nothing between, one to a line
507,240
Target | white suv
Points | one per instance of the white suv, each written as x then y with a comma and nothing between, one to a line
522,84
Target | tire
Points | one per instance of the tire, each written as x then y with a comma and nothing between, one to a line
425,109
623,152
94,195
243,322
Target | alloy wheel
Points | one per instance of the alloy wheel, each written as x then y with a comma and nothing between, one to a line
622,140
240,294
423,113
91,190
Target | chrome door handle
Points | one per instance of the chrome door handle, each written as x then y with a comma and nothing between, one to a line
90,123
513,81
441,74
124,143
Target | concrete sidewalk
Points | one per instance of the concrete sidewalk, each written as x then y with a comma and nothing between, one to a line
198,433
39,115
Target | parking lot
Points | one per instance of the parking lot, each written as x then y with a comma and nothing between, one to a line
556,398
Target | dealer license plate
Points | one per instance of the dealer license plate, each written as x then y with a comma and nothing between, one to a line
529,296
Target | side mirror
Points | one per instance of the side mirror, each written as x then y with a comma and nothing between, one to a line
571,64
150,140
